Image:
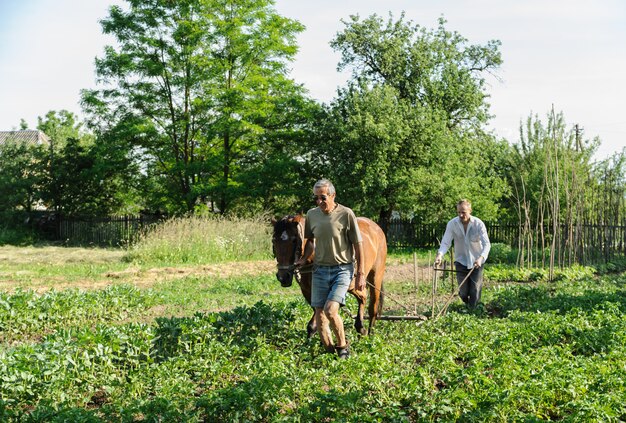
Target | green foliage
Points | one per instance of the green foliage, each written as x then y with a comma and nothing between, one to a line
429,68
88,181
25,313
16,235
22,173
506,273
61,126
547,352
407,127
17,228
72,174
502,253
548,152
200,90
202,239
559,193
616,265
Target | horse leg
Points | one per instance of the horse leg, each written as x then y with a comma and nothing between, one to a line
311,327
305,287
376,298
360,315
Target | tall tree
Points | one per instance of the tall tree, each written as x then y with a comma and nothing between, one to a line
409,125
22,172
59,126
433,68
198,84
82,174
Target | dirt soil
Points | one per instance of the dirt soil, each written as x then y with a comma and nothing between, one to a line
147,278
15,272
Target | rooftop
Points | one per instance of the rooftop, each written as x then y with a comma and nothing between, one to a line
27,136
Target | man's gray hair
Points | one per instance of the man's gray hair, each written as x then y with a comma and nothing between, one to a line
464,202
330,188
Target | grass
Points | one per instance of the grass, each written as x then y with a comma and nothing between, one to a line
199,239
405,256
47,267
146,339
186,296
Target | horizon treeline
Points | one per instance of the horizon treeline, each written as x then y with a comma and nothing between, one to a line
196,112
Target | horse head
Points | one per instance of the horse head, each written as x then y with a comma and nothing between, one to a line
287,242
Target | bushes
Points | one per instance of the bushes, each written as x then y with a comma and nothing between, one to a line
13,233
502,253
504,273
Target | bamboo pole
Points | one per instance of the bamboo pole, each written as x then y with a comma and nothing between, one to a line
415,278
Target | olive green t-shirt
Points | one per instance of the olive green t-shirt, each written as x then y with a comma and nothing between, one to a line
334,234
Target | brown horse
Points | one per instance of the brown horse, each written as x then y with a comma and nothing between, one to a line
288,243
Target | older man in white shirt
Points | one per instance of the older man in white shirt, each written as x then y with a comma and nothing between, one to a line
471,247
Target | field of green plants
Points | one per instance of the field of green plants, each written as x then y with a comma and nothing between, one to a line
232,347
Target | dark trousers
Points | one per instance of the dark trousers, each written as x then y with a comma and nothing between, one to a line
470,290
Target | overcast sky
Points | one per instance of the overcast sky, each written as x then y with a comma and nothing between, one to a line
570,54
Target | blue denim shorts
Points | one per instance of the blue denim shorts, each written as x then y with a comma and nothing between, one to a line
331,283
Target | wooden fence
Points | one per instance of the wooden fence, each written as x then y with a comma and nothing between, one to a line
404,233
589,243
112,231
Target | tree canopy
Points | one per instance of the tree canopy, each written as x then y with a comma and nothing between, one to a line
201,87
408,128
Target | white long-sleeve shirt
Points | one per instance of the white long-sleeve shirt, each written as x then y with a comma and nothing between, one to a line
468,246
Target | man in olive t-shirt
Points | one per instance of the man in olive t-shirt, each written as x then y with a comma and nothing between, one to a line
331,230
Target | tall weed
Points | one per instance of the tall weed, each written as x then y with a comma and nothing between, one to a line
200,239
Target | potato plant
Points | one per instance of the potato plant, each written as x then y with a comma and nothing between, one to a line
534,352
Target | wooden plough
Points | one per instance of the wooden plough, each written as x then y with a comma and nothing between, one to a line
411,315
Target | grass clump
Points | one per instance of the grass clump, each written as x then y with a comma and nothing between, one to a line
201,239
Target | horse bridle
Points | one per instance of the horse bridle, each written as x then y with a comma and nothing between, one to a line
297,253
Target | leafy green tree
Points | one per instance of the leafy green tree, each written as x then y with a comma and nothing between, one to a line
61,125
200,87
406,134
432,68
22,169
88,181
80,174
